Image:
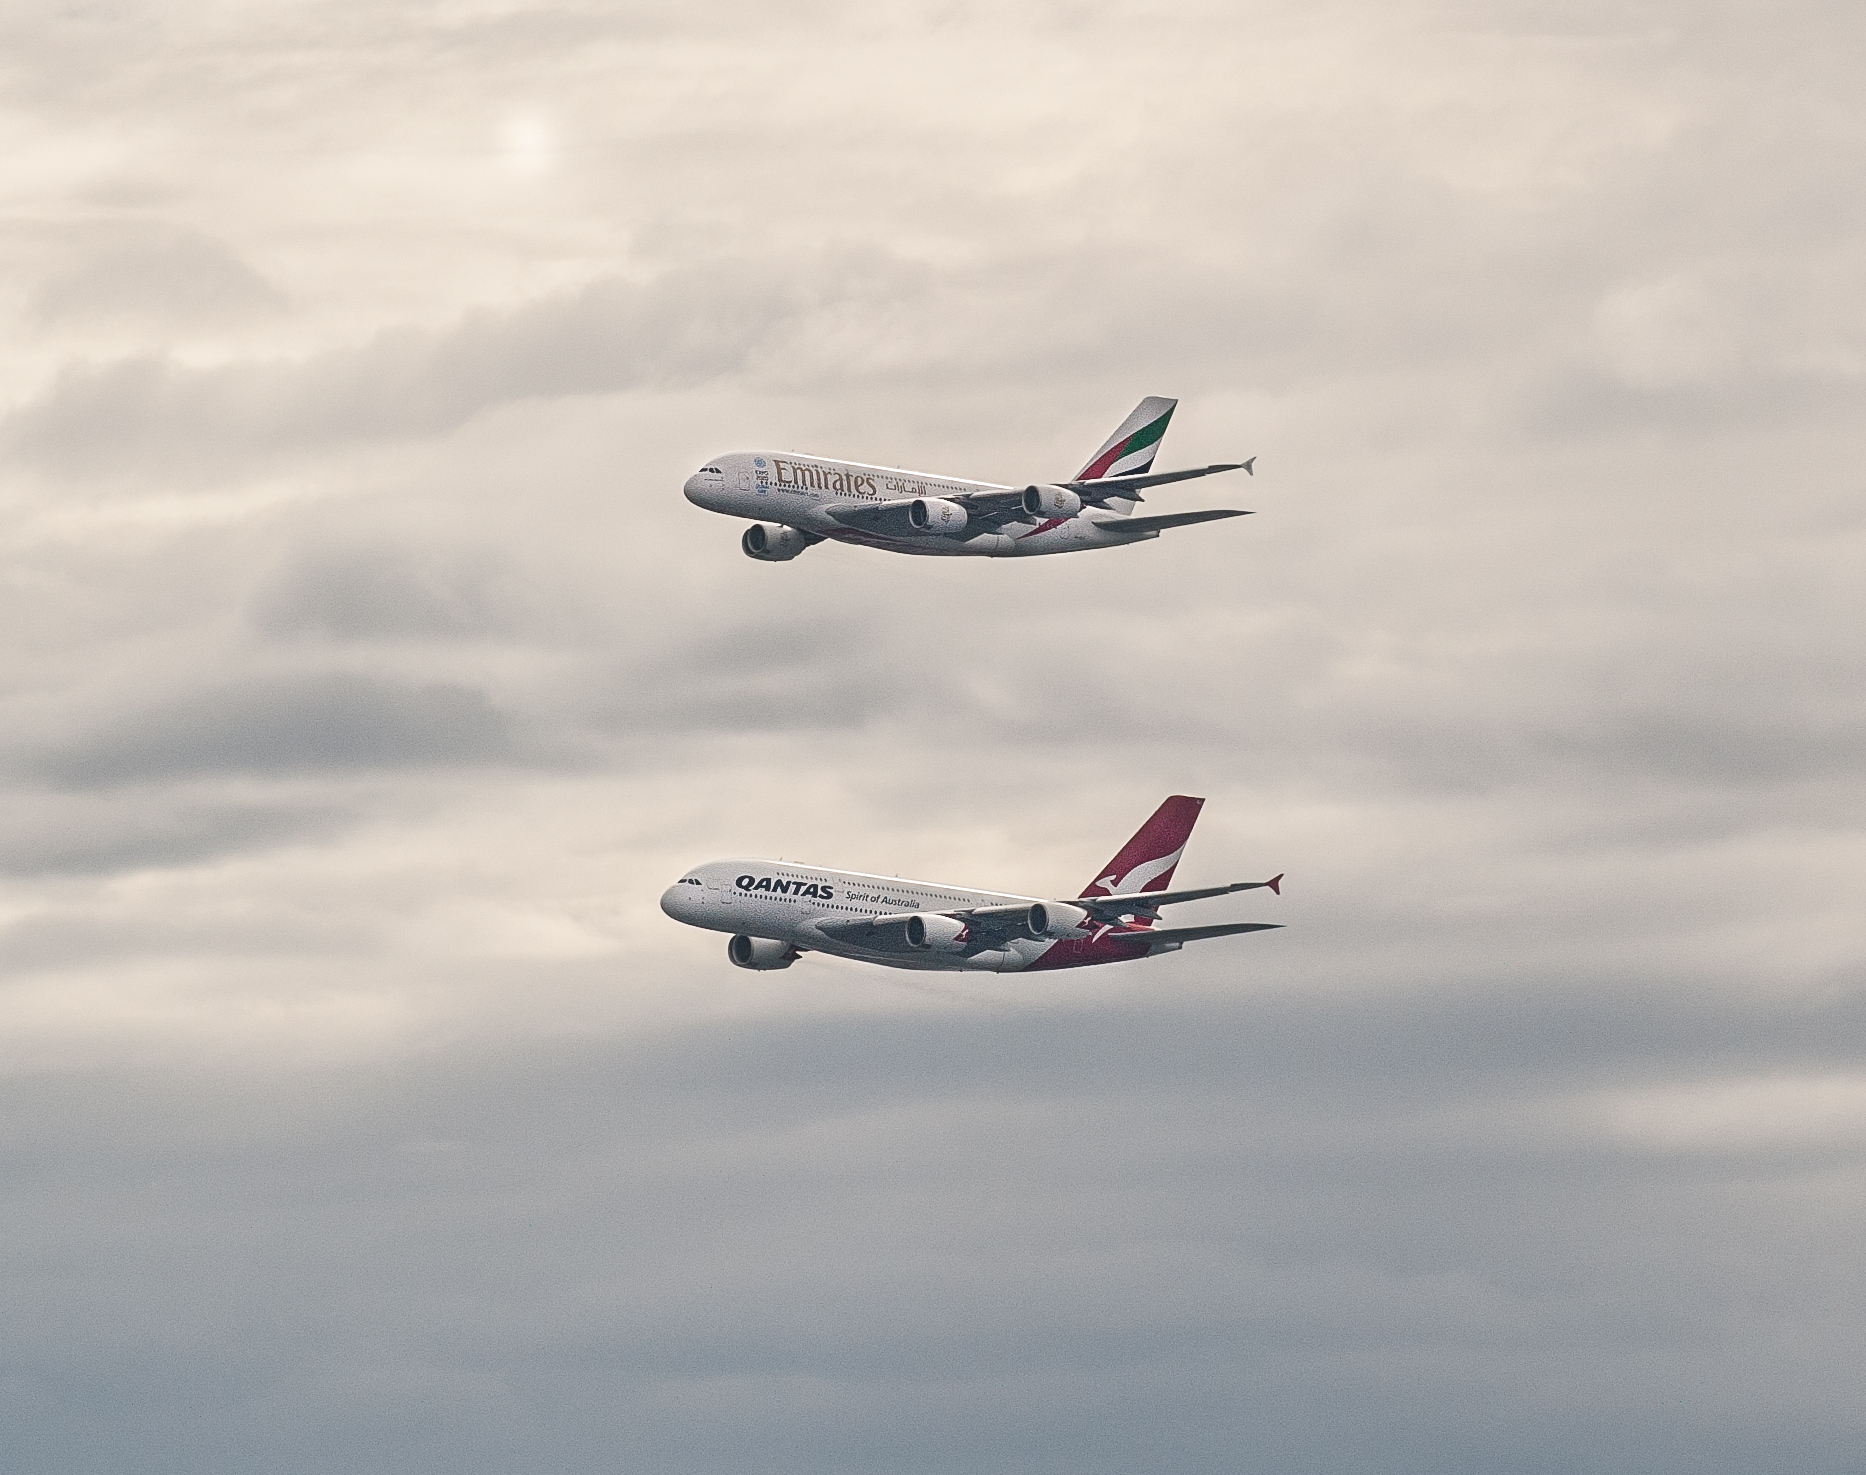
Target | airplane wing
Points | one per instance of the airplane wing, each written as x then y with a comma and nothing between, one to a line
985,512
1140,526
994,504
882,934
1154,937
1128,486
992,926
875,517
1148,903
989,511
1010,920
985,927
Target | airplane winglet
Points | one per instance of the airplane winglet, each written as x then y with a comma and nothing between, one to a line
1247,466
1275,883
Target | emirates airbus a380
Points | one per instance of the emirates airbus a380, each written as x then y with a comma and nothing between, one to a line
802,500
776,911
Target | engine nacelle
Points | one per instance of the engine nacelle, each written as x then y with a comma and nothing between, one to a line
936,515
934,933
773,542
761,954
1054,919
1051,502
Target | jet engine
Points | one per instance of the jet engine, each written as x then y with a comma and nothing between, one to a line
772,542
934,933
936,515
1040,921
1051,502
1054,919
761,954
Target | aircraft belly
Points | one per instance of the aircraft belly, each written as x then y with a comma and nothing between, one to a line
1052,539
1095,536
1085,952
995,961
1072,536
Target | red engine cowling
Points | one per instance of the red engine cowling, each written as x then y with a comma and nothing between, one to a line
772,542
761,954
936,515
931,932
1051,502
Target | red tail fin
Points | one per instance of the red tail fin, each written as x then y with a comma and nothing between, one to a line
1147,861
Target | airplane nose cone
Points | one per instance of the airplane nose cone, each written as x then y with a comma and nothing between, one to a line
673,902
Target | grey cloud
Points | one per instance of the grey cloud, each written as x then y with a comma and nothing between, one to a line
1585,401
840,321
176,278
1536,670
770,675
1243,1231
680,330
380,593
1612,748
64,944
1306,713
1294,705
1737,749
128,833
283,725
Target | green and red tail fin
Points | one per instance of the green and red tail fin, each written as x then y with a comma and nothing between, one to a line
1131,449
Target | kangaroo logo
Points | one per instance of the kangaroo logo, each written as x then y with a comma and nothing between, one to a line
1137,879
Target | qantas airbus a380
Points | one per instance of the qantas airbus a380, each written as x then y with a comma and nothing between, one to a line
800,500
776,911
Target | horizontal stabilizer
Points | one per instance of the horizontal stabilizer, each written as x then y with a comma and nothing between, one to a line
1115,486
1148,903
1125,486
1139,527
1157,935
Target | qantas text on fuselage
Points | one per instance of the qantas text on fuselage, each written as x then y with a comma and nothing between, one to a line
777,911
800,500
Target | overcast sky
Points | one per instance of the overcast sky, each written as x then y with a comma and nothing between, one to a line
366,678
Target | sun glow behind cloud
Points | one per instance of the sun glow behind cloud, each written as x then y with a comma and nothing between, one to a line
527,144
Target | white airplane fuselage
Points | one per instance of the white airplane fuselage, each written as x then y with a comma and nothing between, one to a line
787,903
769,486
777,911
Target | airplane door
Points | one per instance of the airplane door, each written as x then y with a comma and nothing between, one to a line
745,478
